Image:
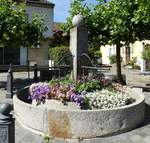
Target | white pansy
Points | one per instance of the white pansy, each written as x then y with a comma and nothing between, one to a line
105,99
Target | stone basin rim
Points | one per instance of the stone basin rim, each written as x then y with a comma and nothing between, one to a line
136,102
70,123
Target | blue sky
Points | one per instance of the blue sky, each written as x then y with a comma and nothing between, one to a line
61,9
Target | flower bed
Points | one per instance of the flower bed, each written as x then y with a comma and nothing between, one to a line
86,94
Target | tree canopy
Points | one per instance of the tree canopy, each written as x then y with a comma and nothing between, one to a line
15,28
114,22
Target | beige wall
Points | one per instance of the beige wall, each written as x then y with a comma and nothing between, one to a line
39,55
136,50
107,51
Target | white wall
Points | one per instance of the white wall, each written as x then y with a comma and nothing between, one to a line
47,12
107,51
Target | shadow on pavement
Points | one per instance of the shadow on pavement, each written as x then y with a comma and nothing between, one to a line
147,114
3,84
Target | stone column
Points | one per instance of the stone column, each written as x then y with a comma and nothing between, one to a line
78,44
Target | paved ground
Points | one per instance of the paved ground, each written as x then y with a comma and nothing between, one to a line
138,135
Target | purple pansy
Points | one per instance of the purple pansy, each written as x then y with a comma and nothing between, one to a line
41,91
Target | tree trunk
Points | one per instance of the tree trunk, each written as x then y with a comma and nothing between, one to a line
118,63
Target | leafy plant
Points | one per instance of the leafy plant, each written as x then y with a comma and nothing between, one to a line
89,86
133,64
98,54
47,139
61,55
146,53
112,59
65,81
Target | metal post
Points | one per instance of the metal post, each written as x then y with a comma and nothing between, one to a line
9,93
7,126
35,73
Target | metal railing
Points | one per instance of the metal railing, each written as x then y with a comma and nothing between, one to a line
95,70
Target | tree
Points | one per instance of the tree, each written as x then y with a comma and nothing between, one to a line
15,29
129,20
119,23
116,22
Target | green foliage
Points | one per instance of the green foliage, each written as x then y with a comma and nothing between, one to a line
81,85
112,59
86,104
132,62
146,53
61,55
34,30
15,29
47,139
89,86
114,22
57,40
142,19
65,81
98,54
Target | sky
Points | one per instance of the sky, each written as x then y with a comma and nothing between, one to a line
61,9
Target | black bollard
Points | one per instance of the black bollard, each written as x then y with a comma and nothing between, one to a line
35,73
5,108
7,126
9,87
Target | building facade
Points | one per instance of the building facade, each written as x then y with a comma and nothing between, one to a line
39,54
135,50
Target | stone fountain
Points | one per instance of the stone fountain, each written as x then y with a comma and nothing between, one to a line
66,123
78,44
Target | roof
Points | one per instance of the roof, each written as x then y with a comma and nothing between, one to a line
42,2
37,2
56,26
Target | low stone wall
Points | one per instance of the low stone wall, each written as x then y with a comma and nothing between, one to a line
74,124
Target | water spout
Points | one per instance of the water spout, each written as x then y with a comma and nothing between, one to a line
88,58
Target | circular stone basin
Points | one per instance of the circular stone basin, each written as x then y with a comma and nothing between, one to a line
65,122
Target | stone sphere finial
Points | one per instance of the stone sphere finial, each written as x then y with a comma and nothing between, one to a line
78,20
